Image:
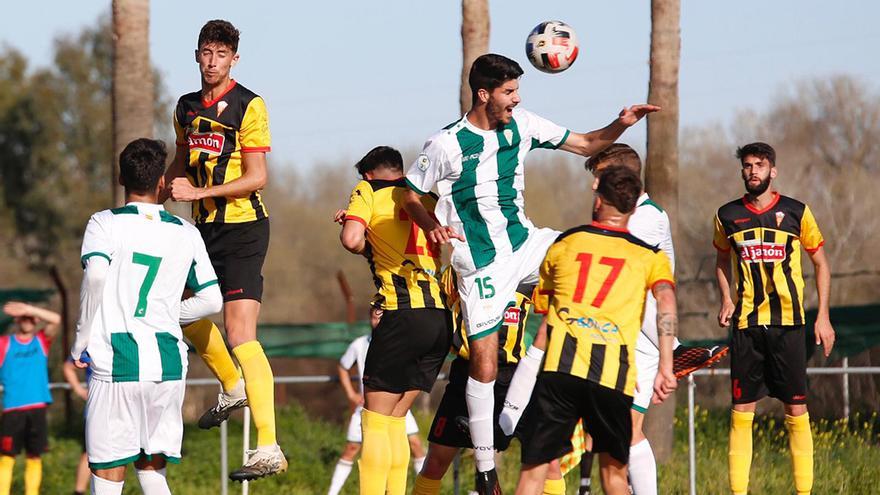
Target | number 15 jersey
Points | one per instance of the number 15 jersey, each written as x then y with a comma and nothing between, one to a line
153,255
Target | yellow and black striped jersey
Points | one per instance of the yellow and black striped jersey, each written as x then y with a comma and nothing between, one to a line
405,265
593,285
217,133
766,260
511,336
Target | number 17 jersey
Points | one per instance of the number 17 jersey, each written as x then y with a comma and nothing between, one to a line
405,265
153,255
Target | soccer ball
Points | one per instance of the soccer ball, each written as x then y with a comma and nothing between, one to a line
552,46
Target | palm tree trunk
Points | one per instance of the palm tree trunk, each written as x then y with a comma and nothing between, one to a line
132,80
661,167
474,42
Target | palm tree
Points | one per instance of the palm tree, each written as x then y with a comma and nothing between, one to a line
133,92
661,166
474,42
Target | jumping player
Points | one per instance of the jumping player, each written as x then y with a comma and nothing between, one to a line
138,259
220,166
589,285
412,338
760,236
476,163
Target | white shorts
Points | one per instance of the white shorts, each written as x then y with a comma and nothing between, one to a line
647,363
355,435
127,419
488,292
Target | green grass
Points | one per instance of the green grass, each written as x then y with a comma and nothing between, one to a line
846,459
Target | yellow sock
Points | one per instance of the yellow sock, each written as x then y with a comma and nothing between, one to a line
800,442
208,341
554,487
33,475
399,443
426,486
7,462
740,450
375,453
260,389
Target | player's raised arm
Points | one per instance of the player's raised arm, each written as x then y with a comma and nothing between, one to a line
592,142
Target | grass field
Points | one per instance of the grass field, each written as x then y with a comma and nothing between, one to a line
847,459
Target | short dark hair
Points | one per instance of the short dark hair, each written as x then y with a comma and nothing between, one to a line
620,187
759,149
380,157
616,154
490,71
141,164
219,31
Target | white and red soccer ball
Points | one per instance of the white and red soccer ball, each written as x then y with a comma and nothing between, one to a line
552,46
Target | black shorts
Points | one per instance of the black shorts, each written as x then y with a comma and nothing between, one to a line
407,349
769,360
24,429
237,251
559,401
443,430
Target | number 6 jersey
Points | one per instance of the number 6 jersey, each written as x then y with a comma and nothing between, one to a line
135,334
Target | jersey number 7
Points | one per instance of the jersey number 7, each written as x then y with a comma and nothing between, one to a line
152,264
586,259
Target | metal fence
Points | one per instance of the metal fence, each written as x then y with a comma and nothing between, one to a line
845,371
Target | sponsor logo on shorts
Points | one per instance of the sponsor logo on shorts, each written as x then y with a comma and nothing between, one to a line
488,323
511,316
234,292
208,142
798,397
758,252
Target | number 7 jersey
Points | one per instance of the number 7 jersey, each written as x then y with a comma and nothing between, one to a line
153,255
405,265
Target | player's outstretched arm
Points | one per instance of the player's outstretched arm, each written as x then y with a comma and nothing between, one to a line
667,329
823,329
592,142
433,230
722,274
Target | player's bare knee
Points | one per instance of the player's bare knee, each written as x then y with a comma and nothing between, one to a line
155,463
484,358
747,407
795,409
638,419
116,474
438,461
351,450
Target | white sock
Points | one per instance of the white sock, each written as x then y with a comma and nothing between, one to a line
340,474
418,462
100,486
520,390
153,481
642,469
480,399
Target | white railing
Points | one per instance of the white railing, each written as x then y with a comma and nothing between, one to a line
844,370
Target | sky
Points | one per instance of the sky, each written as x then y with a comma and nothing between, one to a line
340,77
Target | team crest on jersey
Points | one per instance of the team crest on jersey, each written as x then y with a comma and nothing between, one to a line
208,142
508,135
779,217
423,162
511,316
221,106
761,252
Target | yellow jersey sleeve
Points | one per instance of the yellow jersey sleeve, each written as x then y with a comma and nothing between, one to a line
719,238
546,285
660,270
360,205
254,134
810,236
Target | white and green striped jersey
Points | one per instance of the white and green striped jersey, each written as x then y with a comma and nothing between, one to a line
135,332
480,180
